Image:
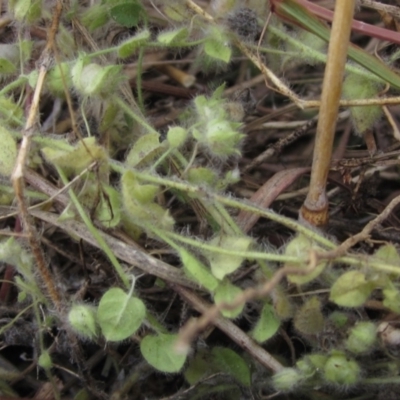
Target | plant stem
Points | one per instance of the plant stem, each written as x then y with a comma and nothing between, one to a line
315,208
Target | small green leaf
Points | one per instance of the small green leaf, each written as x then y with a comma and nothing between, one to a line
176,36
138,201
82,318
7,67
10,111
95,16
109,210
309,319
391,297
197,270
300,247
230,362
45,361
356,87
267,325
145,149
351,289
176,136
119,315
388,253
226,293
8,152
78,158
127,14
129,46
341,370
160,353
224,264
217,49
362,337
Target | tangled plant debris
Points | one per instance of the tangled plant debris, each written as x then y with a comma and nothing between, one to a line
152,172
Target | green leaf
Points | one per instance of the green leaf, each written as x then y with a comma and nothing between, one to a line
351,289
300,247
356,87
391,297
45,361
129,46
206,363
267,325
230,362
78,158
145,149
226,293
217,49
197,270
95,16
139,203
7,67
160,353
176,36
224,264
119,315
176,136
82,318
388,254
8,152
200,366
309,319
127,14
109,210
11,111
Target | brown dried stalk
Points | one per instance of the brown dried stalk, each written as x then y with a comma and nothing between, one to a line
315,208
17,177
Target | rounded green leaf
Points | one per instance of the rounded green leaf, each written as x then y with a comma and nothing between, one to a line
159,351
119,315
45,361
8,152
300,247
224,264
341,370
351,289
127,14
362,337
267,325
82,318
145,149
226,293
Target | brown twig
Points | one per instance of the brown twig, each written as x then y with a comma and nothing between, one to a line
363,235
19,170
212,314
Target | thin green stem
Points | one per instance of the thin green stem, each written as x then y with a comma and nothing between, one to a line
104,246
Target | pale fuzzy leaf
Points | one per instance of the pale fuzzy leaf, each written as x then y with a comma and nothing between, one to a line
224,264
300,247
351,289
145,149
226,293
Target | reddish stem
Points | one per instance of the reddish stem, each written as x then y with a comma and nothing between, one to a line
327,15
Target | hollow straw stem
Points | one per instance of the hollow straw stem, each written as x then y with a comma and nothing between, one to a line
315,207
